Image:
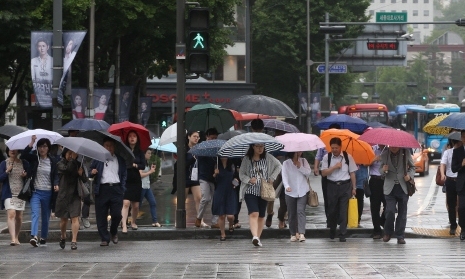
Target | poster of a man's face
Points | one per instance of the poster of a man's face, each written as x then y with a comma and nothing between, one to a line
125,103
42,67
144,110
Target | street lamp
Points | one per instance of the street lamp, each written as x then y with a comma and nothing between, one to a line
365,96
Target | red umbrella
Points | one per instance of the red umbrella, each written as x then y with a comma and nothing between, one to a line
122,129
391,137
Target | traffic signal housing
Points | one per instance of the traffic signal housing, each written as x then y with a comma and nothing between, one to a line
424,97
198,40
447,88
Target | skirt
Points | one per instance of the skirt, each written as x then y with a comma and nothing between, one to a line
15,204
133,192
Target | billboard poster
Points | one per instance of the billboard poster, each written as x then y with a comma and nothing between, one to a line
79,102
42,67
101,100
144,110
125,103
313,106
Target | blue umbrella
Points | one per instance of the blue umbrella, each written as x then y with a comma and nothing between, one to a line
454,120
85,124
208,148
345,121
169,147
376,124
238,145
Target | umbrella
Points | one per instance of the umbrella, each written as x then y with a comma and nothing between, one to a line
205,116
21,140
238,145
120,148
278,125
208,148
9,131
262,105
433,128
345,121
169,135
376,124
169,147
455,136
85,147
295,142
85,124
122,129
230,134
454,120
390,137
361,151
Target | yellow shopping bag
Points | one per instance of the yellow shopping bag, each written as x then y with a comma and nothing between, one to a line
352,211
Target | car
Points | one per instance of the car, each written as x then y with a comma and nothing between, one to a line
421,161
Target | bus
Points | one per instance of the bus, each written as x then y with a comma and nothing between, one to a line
401,116
419,116
370,112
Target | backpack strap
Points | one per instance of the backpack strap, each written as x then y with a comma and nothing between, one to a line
346,158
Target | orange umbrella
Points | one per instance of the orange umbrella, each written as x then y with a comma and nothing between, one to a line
361,151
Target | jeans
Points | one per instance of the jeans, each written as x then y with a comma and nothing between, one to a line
148,194
40,205
396,200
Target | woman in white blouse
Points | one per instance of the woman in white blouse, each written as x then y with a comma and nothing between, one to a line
295,172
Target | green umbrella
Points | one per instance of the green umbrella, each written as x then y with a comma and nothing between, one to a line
204,116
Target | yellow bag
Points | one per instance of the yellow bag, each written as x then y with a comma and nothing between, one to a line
352,212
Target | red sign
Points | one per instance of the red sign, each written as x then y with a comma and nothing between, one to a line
382,45
190,98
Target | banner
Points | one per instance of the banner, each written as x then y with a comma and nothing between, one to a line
101,100
42,67
144,110
314,106
125,103
79,102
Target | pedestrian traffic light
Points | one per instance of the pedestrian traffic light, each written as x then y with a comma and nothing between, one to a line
198,43
447,88
164,124
424,97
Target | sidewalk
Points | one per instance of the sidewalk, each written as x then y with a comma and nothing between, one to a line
427,217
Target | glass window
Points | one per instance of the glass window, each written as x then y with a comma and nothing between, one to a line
426,26
404,1
240,67
426,12
415,12
415,25
393,11
426,1
393,1
415,1
382,1
382,11
371,12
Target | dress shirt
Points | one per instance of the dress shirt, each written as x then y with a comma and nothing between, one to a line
342,173
447,160
296,178
110,171
374,168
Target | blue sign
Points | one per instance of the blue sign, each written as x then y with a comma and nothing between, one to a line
333,68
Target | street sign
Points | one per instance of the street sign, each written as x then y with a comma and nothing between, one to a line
383,45
391,17
333,68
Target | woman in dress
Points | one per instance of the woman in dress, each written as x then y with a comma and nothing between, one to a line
13,171
68,202
43,170
133,182
295,172
78,111
101,108
256,166
225,199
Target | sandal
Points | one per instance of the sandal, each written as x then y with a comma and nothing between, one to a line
158,225
231,228
73,246
13,243
237,226
222,238
62,243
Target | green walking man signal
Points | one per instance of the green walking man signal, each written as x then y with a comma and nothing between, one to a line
199,40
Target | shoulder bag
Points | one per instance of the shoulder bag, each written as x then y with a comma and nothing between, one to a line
439,181
267,191
195,172
26,192
312,196
411,189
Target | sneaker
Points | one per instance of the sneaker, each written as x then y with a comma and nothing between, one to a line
34,241
198,222
259,243
293,238
256,241
42,242
203,225
302,238
85,222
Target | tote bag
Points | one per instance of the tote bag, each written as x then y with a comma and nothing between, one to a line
352,212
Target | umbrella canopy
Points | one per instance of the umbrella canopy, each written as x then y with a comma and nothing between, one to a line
85,124
361,151
433,128
122,129
345,121
205,116
390,137
85,147
230,134
455,136
8,131
208,148
295,142
454,120
120,148
376,124
21,140
238,145
262,105
169,147
169,135
278,125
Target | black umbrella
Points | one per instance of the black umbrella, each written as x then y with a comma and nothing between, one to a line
120,148
8,131
85,124
230,134
262,105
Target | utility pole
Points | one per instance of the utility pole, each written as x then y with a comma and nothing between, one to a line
309,64
57,53
117,85
180,93
326,58
90,88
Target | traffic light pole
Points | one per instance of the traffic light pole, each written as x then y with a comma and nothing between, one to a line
180,93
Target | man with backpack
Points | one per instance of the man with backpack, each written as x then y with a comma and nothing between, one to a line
339,168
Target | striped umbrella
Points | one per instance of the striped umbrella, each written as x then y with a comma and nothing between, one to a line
238,145
208,148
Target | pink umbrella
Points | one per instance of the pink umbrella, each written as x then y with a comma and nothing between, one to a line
295,142
391,137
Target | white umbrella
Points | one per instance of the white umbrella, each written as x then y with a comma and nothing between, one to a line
20,141
238,145
170,147
86,147
169,135
295,142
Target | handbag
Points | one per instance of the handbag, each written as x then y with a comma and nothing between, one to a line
267,191
83,191
312,196
411,189
195,172
439,181
26,192
352,213
366,188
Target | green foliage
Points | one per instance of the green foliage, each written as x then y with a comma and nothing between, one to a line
154,159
